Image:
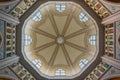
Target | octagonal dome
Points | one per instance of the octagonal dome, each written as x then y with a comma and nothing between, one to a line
60,40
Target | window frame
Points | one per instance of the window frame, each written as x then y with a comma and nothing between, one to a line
37,63
83,17
83,62
37,17
27,39
60,72
60,7
92,40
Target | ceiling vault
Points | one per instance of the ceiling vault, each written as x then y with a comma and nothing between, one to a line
80,48
81,31
68,58
43,47
52,59
69,18
52,20
43,32
59,38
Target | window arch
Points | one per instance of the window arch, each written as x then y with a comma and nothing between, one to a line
37,63
92,40
28,39
60,72
83,17
37,17
60,7
83,62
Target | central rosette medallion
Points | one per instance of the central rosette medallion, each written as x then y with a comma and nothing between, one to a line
60,40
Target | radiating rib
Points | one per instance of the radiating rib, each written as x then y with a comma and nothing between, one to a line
67,58
69,18
52,59
43,32
78,32
43,47
52,21
80,48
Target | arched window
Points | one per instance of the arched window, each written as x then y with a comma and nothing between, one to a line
92,40
60,72
83,62
37,63
60,7
28,40
37,17
83,17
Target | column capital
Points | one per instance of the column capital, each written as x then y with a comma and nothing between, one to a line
112,18
8,61
114,62
7,17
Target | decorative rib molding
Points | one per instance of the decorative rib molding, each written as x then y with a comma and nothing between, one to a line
69,18
51,17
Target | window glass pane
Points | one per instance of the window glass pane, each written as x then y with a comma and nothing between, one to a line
86,62
37,63
92,40
82,66
60,72
82,14
38,66
83,17
83,20
86,18
27,39
83,62
37,17
94,37
60,7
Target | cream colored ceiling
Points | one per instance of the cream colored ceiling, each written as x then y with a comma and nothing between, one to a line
53,25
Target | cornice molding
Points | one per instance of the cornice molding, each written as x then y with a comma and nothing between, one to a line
8,61
6,17
114,62
112,18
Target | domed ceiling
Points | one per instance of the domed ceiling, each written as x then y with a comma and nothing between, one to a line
57,36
